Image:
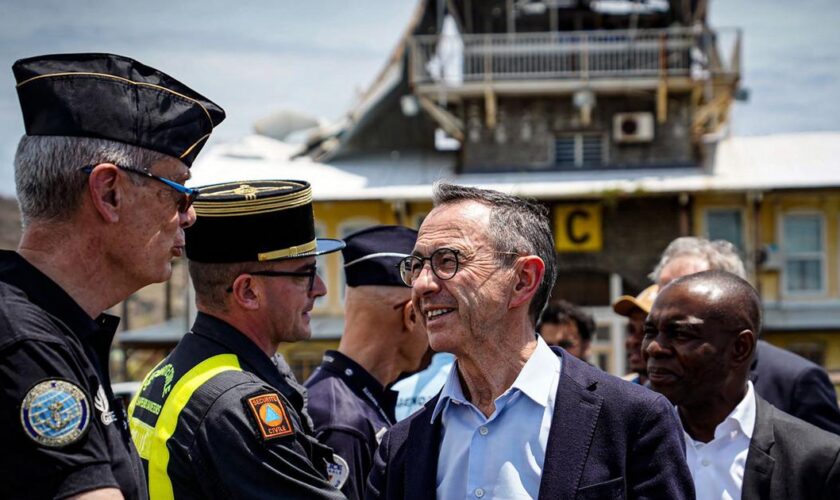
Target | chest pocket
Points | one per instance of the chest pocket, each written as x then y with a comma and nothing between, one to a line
612,489
151,441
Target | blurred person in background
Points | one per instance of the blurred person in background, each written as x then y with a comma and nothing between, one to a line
789,382
99,177
349,402
565,325
636,309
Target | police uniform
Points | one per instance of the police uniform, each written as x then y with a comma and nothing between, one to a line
350,408
62,430
217,418
351,411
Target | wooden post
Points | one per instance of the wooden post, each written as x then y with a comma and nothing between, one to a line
662,88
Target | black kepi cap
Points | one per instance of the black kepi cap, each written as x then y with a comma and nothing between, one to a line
372,255
106,96
250,221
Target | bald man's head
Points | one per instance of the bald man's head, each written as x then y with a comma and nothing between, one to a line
700,337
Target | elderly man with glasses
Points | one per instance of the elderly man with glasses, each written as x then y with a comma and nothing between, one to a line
515,419
221,416
94,233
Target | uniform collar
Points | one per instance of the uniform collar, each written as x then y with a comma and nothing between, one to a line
95,334
360,380
236,342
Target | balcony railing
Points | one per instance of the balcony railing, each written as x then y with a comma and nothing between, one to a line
453,60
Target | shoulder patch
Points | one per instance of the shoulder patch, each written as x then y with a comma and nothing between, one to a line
270,414
55,413
337,471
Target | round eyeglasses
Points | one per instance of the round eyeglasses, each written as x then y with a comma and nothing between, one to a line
443,261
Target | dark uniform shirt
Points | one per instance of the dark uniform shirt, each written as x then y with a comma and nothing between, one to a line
213,420
351,411
63,432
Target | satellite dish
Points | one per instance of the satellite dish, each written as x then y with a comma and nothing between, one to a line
283,123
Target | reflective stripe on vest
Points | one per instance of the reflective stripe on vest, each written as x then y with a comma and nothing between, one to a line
151,441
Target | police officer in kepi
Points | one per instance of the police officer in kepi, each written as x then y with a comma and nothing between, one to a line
216,418
99,177
382,338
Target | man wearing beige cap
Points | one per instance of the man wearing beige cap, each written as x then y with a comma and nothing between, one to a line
636,309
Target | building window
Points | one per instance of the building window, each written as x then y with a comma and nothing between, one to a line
726,224
803,239
579,151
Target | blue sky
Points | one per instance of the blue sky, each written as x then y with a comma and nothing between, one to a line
259,56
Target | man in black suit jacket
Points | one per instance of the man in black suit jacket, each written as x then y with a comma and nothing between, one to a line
609,439
789,382
796,386
515,419
700,340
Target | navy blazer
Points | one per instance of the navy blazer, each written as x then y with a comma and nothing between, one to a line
608,439
789,458
796,386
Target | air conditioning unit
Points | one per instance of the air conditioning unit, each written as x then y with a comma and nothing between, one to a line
633,127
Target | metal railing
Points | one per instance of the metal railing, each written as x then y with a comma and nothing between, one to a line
457,59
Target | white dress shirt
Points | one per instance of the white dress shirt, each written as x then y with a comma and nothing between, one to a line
717,467
500,456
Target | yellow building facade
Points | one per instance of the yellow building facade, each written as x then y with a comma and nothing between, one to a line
791,242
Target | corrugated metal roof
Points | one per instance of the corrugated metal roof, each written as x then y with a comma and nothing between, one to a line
805,160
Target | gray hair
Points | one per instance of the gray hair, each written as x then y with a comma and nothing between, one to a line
211,280
720,255
48,175
517,225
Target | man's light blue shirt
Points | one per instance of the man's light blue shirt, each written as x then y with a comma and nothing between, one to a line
501,456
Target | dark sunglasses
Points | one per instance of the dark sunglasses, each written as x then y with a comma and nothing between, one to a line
310,273
185,201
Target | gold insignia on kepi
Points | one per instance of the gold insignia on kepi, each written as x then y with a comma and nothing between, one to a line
55,413
271,417
253,221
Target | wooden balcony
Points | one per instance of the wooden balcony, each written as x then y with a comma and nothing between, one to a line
565,62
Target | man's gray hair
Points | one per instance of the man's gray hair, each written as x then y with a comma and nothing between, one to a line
48,175
517,225
720,255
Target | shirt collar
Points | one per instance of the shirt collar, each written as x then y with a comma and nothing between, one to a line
741,418
94,334
743,415
49,296
246,350
534,380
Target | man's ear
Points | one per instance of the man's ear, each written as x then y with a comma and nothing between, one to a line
409,317
246,292
104,191
743,346
529,274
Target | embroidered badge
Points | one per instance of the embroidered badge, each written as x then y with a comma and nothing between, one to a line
270,414
337,471
55,413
